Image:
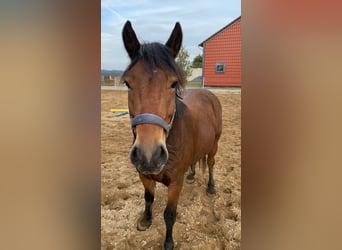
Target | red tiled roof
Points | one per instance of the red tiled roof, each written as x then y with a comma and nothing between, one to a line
229,24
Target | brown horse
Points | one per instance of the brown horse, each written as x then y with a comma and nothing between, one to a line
173,128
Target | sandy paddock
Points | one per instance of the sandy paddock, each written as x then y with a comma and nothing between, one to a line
202,222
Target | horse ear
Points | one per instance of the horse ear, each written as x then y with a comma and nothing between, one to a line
130,40
175,40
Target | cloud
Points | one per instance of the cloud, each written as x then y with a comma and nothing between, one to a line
154,20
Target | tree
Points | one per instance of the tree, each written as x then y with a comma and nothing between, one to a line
183,61
197,62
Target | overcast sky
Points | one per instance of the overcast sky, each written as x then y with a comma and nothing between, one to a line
154,20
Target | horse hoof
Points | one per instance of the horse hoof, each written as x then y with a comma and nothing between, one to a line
211,191
143,224
189,180
169,245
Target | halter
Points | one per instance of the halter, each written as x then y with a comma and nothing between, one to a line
152,119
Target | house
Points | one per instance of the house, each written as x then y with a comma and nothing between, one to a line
222,56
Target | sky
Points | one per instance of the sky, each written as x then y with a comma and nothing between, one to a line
154,20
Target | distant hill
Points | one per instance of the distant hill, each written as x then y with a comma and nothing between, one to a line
105,72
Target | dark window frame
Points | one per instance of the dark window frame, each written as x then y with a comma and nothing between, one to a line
220,68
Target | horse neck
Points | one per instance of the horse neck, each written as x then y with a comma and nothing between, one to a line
180,138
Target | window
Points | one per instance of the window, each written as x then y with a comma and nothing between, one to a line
220,67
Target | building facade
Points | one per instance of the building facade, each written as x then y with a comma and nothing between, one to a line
222,56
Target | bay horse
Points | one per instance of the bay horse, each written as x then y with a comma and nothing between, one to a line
173,128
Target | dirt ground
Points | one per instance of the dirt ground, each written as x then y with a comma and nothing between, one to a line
202,222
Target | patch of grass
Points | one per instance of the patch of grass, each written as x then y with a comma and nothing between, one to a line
193,85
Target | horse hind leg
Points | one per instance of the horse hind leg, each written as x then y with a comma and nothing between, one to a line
211,163
190,178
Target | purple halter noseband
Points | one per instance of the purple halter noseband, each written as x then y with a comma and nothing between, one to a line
152,119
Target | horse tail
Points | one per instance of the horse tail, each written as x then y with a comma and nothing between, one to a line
203,164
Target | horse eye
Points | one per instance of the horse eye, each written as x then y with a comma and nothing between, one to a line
174,84
126,83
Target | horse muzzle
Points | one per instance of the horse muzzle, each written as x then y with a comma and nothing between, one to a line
149,155
149,161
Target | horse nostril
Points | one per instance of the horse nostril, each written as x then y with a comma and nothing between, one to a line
152,164
163,154
160,155
136,155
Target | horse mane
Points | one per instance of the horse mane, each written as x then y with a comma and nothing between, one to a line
157,55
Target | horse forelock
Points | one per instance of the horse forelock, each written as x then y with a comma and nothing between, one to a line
156,55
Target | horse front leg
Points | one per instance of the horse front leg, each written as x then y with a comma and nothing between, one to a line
145,221
170,212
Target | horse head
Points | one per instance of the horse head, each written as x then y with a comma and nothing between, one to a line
154,80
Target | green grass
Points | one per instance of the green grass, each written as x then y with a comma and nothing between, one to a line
193,85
